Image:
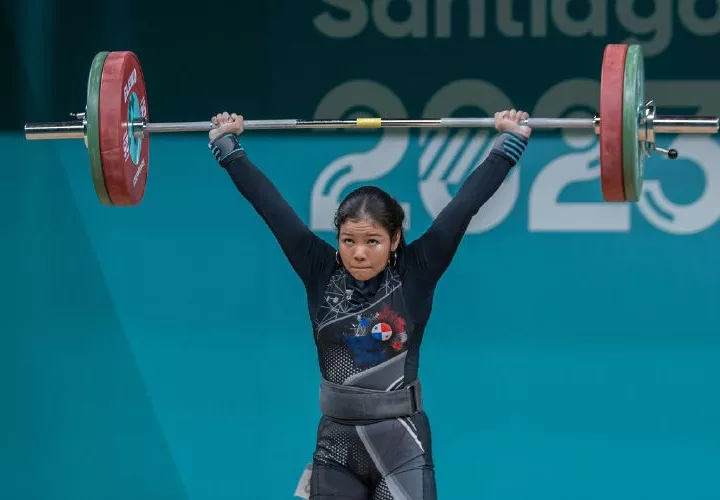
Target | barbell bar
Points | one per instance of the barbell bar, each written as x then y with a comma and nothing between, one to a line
116,128
670,124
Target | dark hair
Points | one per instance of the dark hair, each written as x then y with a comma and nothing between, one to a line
373,203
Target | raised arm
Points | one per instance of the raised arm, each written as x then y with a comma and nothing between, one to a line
308,253
432,253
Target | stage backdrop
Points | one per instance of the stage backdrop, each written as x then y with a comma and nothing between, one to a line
164,351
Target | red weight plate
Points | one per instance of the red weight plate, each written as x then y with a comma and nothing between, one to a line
611,122
123,99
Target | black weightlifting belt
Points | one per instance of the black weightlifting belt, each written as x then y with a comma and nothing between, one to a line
345,402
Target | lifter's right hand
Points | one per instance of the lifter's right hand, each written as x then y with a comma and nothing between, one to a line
224,123
506,121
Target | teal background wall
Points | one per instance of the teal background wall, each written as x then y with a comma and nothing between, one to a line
573,348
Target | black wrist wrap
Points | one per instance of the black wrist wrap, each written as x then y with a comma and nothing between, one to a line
226,148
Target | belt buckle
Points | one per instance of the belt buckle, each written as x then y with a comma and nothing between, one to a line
414,399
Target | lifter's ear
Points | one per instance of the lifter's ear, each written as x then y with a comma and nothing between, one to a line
396,241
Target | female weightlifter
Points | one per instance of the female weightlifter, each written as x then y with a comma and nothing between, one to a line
369,302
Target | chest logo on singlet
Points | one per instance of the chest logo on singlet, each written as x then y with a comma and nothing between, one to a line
375,337
382,331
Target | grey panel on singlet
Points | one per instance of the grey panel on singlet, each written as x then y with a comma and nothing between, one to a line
397,459
408,479
381,377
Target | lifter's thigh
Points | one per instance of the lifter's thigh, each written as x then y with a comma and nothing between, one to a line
331,483
417,483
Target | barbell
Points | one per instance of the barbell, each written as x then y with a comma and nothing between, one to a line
116,128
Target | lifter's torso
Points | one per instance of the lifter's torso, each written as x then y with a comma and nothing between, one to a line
365,333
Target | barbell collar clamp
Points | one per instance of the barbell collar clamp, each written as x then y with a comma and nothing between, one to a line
670,153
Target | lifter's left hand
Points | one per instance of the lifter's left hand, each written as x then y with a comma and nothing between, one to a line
224,123
510,121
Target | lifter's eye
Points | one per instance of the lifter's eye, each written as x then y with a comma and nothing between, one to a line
348,241
373,242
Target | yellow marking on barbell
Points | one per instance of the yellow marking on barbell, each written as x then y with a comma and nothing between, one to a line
369,122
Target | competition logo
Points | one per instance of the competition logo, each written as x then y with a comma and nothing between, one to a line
655,23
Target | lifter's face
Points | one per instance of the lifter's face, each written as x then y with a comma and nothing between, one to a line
365,248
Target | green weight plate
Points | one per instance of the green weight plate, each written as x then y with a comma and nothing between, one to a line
633,157
92,116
